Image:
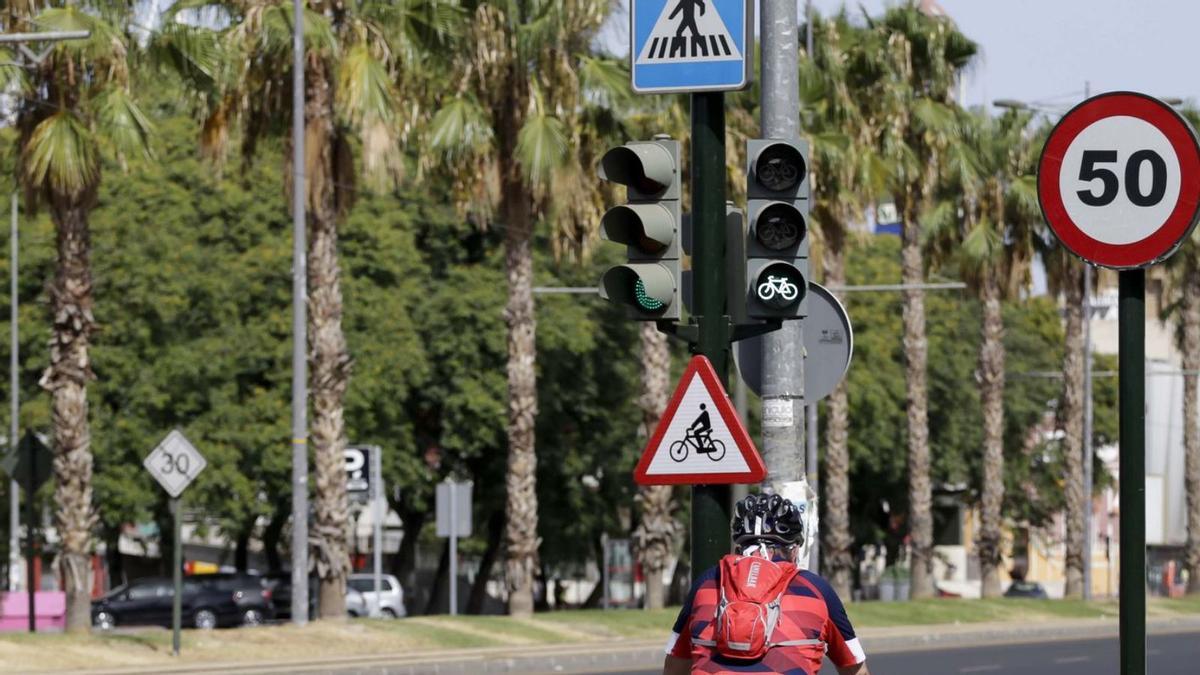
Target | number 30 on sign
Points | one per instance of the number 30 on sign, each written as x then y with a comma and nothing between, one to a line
1119,180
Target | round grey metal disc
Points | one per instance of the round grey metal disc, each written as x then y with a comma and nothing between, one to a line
828,345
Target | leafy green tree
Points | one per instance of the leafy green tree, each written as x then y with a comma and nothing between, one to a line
74,107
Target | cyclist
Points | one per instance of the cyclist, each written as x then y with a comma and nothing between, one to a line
702,428
812,620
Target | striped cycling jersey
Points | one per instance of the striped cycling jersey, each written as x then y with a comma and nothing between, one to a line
810,611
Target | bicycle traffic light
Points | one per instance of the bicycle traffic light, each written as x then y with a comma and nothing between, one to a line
649,225
777,237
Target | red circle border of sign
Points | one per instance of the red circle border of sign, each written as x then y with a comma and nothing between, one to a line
1178,225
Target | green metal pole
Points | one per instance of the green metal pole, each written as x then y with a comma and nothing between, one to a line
710,503
1132,366
177,601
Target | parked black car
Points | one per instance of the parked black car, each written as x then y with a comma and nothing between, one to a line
1025,589
209,601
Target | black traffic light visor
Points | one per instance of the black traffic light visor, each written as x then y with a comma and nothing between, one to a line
779,226
648,288
647,227
779,167
647,168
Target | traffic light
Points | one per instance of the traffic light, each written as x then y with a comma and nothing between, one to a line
649,225
777,237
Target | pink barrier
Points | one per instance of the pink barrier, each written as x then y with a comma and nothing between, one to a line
51,610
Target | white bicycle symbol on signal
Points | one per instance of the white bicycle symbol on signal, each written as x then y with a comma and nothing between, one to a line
786,289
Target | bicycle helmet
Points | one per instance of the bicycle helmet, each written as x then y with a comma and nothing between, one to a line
767,519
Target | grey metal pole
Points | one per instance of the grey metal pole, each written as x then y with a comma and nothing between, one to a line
176,575
741,404
14,490
48,36
377,517
1088,535
451,488
299,331
783,350
604,568
814,479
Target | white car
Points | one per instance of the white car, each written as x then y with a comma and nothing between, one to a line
391,596
356,604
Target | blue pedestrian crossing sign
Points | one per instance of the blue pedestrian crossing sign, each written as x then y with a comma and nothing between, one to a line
691,45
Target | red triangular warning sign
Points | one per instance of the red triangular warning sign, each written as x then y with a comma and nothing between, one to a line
699,439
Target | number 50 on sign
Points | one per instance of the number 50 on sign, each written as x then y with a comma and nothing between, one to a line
1119,180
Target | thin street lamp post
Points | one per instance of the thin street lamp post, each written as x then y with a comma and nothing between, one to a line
299,332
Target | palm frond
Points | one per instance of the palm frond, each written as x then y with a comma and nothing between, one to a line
541,148
121,122
61,154
364,89
461,128
605,81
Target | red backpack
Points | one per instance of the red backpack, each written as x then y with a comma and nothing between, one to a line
752,589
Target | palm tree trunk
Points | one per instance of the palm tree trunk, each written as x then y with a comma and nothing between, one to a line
991,370
656,534
1071,422
66,379
1191,433
521,538
837,557
916,352
329,358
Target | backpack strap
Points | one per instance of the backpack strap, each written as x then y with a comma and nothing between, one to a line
797,643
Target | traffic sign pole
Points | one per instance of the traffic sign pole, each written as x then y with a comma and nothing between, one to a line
710,503
177,575
1132,368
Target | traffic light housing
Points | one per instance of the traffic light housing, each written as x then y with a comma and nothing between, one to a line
777,241
649,225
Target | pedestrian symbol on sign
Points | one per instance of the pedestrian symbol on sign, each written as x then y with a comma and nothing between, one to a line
687,31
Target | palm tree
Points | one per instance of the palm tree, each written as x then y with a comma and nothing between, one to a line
991,248
918,58
1184,274
1065,277
846,176
1189,343
74,104
353,72
511,125
658,531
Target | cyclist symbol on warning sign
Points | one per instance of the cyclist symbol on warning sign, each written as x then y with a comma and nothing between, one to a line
699,438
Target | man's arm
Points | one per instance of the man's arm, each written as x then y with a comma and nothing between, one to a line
673,665
856,669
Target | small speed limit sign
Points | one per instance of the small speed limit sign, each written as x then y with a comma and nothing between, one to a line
1119,180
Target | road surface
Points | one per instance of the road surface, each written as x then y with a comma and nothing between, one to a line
1177,654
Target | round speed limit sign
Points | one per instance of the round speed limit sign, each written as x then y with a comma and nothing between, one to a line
1119,180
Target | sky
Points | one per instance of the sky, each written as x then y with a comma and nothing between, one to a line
1048,51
